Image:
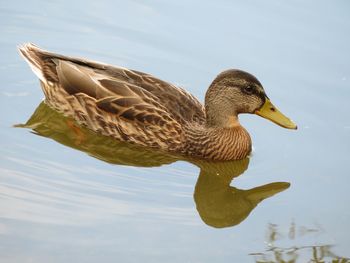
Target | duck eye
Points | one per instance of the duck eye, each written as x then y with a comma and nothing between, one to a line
248,89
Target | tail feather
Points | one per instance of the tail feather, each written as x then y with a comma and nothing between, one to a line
40,61
44,63
28,52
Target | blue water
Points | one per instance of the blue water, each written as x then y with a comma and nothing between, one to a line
60,204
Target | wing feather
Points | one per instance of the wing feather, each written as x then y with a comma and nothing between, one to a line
100,80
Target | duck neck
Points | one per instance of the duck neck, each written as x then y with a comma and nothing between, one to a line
223,121
219,143
220,115
230,143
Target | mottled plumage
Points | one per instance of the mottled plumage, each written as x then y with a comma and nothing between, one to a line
138,108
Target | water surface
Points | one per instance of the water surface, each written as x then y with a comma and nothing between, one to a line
63,199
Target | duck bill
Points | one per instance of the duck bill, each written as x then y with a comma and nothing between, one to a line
270,112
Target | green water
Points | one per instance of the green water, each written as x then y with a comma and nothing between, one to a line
69,195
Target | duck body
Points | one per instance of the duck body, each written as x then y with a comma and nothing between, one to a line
136,107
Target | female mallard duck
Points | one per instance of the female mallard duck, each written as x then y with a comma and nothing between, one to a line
136,107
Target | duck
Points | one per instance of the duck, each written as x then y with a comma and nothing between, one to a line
218,202
138,108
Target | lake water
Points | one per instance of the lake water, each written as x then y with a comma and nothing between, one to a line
64,200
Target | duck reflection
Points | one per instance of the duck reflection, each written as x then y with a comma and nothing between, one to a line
221,205
218,204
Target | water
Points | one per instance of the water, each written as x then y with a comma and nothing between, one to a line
63,199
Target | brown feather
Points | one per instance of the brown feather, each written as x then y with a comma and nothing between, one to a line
133,106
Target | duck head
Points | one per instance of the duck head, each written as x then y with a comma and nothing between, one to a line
234,92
